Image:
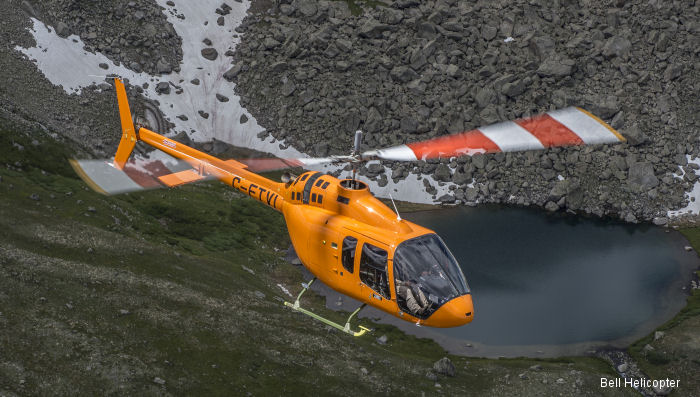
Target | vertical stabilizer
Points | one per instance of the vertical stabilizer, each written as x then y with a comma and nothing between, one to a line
129,138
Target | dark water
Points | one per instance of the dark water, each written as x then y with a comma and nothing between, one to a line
542,279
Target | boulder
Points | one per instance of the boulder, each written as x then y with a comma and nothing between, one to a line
210,53
660,221
233,72
555,66
616,46
604,107
641,177
569,189
62,30
403,74
372,29
163,87
444,366
163,67
635,136
479,160
542,46
551,206
409,125
447,198
269,43
471,194
442,173
307,8
484,97
673,71
390,16
514,88
182,137
461,178
488,32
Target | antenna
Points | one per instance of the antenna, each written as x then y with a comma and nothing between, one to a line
356,152
398,216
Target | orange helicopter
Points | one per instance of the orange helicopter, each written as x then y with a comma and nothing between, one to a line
342,234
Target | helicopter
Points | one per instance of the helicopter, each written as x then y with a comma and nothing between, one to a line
342,234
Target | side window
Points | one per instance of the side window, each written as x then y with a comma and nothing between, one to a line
373,269
349,245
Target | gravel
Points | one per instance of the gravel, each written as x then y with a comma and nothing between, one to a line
135,33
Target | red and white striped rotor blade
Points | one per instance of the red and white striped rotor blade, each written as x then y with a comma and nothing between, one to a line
565,127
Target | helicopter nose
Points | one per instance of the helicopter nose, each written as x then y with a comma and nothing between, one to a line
457,311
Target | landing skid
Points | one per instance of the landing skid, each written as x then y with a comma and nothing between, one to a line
345,328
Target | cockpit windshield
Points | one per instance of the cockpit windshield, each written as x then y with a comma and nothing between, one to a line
426,275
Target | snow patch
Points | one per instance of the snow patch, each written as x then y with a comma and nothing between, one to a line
65,63
693,196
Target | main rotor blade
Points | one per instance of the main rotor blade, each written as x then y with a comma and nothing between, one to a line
275,164
565,127
103,177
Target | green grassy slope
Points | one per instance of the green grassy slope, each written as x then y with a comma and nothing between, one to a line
175,292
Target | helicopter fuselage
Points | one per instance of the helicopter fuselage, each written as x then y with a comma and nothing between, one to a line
349,239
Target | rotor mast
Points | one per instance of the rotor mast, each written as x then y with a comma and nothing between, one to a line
355,154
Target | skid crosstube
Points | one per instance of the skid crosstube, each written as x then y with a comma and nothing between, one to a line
345,328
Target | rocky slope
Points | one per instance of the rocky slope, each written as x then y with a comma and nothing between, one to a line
312,73
130,32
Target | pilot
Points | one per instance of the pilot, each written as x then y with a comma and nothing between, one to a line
412,294
434,275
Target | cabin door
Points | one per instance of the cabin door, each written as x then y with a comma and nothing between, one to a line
374,271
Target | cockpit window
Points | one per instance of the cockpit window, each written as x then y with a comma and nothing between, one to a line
373,263
427,275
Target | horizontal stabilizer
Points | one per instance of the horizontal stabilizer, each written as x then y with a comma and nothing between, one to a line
180,178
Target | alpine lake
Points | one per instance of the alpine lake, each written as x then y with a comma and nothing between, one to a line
548,284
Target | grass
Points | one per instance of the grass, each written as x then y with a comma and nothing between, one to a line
102,295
